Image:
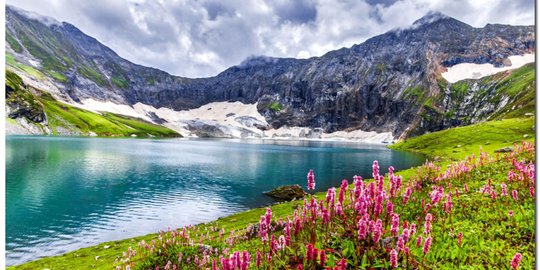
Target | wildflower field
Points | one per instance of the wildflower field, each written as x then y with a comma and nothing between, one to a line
476,213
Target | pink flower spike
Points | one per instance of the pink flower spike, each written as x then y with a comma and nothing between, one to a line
323,258
514,195
515,261
459,238
419,241
511,213
258,259
427,245
395,225
311,180
377,231
503,190
393,258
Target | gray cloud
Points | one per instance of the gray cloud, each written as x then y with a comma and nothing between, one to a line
204,37
296,11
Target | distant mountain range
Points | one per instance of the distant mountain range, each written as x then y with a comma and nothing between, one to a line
389,83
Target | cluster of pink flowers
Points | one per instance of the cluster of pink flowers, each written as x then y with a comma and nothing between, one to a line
236,261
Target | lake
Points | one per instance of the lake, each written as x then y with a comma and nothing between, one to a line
64,193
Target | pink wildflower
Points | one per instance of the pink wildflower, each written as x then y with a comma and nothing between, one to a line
515,261
510,213
282,243
362,229
258,259
514,195
342,264
395,225
400,244
459,238
330,196
389,208
268,216
531,191
504,193
407,195
377,231
323,258
427,225
406,235
342,190
339,209
311,253
393,258
427,245
375,169
419,241
311,180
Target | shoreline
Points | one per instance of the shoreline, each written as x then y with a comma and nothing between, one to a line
292,139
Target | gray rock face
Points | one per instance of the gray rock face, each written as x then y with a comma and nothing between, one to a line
211,129
250,121
380,85
19,105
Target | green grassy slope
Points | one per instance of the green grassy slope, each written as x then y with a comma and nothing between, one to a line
66,117
480,242
457,143
107,124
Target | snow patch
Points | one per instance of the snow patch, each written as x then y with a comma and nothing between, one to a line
475,71
34,63
108,106
232,119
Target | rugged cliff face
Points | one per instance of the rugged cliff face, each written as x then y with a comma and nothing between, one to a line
391,82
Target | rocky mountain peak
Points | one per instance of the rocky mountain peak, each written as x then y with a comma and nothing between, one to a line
431,17
48,21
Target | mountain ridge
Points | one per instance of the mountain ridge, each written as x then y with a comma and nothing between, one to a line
361,87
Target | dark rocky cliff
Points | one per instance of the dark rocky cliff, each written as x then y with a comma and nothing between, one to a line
391,82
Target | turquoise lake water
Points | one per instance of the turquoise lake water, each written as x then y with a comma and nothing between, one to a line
66,193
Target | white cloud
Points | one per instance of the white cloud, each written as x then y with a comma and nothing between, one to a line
202,38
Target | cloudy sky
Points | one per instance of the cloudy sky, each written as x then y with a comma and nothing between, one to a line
201,38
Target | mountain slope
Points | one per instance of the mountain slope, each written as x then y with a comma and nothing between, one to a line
383,84
33,111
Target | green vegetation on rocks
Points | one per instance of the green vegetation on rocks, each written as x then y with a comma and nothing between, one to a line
13,43
276,106
92,75
10,61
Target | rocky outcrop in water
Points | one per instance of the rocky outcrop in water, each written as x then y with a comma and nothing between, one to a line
287,192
